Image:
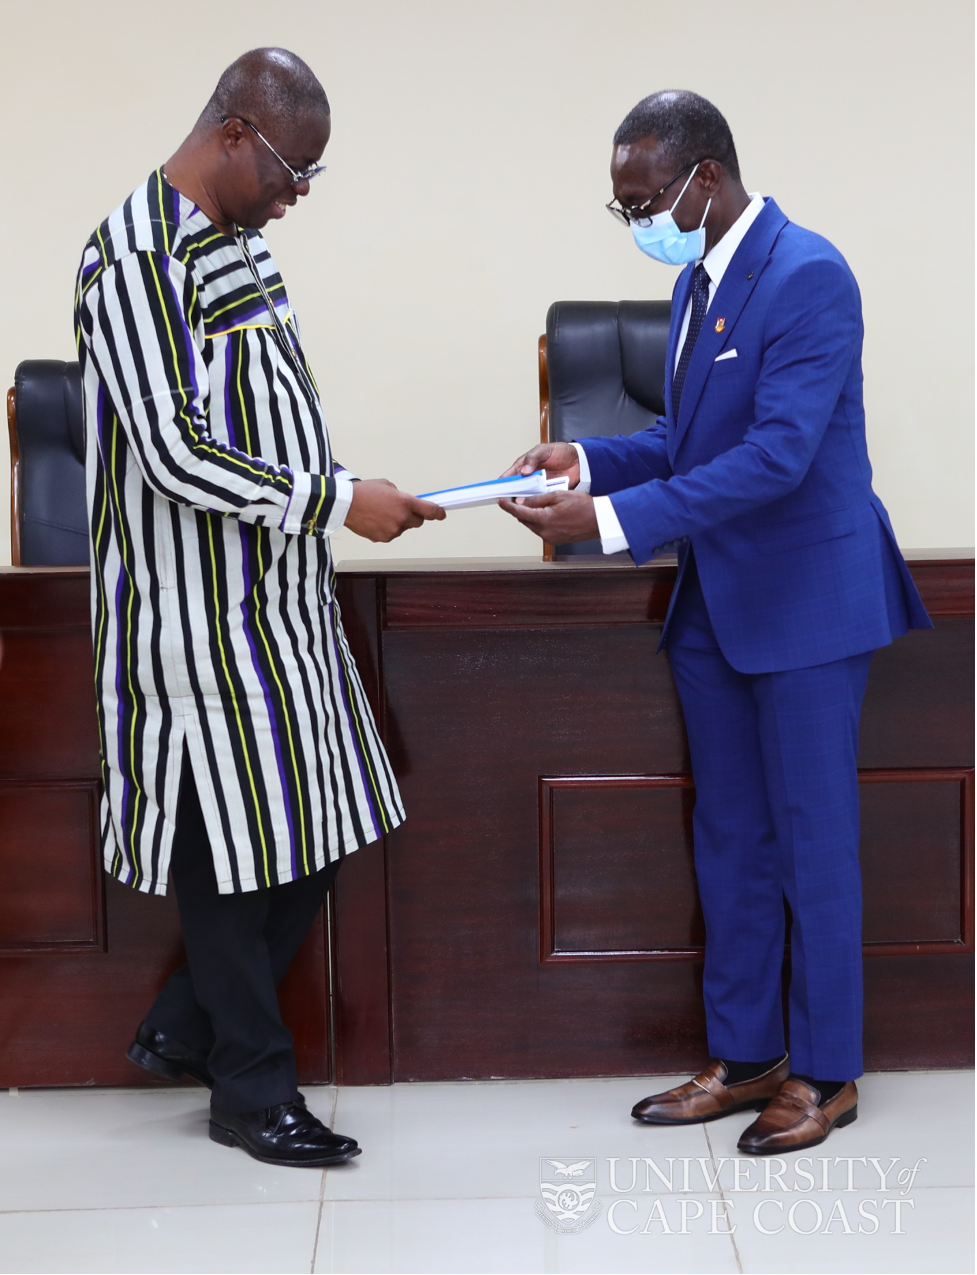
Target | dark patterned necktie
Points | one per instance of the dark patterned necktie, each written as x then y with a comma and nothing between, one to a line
700,303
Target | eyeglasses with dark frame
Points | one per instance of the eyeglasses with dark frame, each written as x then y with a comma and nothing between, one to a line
638,215
302,175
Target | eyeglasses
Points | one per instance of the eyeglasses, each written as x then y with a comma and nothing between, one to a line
303,175
639,215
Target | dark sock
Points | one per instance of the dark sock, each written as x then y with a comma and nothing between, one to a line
737,1072
826,1088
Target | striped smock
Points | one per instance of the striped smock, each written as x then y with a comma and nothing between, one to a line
212,493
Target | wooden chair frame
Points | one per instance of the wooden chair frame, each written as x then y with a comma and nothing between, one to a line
14,477
549,551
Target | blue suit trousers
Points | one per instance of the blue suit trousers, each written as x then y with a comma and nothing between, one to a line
776,816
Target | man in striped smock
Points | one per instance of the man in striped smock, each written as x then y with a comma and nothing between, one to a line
238,749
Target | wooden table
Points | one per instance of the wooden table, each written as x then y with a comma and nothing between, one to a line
537,914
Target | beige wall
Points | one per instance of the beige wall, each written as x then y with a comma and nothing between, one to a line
467,174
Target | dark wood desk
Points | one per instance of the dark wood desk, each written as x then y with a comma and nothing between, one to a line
536,915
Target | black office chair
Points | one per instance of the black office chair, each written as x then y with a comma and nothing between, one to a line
48,512
601,371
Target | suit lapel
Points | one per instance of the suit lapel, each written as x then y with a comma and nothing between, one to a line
731,296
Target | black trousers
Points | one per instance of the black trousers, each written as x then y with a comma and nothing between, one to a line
224,1003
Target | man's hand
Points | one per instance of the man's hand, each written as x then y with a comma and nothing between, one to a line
559,518
380,512
558,459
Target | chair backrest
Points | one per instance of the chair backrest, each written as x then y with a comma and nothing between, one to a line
602,371
49,516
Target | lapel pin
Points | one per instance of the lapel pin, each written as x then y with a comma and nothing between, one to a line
720,325
750,275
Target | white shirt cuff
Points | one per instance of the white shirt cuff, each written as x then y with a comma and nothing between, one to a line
583,485
612,537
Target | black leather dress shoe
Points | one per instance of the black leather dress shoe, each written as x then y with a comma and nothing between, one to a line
166,1057
288,1134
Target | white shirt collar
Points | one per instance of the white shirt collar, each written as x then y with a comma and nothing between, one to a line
720,255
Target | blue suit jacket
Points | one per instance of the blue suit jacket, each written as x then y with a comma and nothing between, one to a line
766,472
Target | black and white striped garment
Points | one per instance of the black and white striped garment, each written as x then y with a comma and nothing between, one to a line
212,493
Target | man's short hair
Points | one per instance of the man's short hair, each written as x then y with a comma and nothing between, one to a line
688,129
268,86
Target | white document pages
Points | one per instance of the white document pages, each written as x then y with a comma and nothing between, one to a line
536,484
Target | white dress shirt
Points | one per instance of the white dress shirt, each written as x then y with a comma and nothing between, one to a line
716,262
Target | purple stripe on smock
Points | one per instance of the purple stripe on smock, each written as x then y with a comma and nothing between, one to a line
354,735
228,414
269,701
260,309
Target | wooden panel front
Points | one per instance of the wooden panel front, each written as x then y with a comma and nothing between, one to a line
917,851
52,888
617,880
541,912
480,715
490,687
616,873
81,956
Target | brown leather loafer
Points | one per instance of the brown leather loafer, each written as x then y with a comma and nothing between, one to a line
793,1120
706,1097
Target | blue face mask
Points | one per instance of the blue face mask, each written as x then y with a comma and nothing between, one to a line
661,238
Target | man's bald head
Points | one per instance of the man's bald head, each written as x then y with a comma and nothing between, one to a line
251,153
272,87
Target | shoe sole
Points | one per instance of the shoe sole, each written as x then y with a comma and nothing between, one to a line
848,1118
161,1067
758,1105
227,1138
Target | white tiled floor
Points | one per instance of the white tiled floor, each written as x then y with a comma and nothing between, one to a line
128,1181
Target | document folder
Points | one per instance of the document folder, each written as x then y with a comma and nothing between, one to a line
536,484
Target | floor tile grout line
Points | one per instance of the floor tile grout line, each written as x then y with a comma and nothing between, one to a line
322,1185
136,1208
137,1091
361,1199
318,1221
512,1199
722,1196
419,1199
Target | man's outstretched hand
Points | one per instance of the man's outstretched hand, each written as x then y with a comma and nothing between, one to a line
559,518
558,459
380,512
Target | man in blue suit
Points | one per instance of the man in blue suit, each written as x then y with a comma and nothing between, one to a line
789,578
